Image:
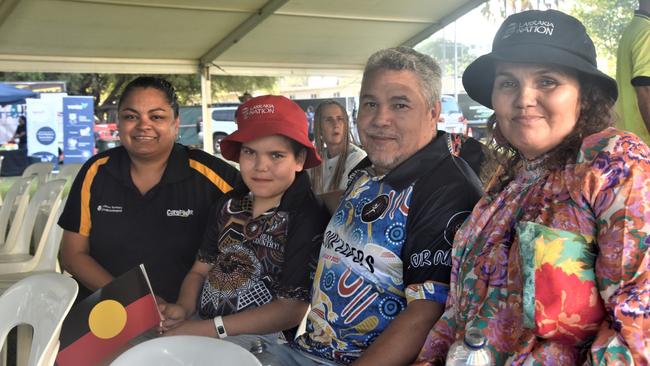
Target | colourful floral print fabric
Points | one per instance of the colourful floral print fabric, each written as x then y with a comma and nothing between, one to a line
560,296
555,269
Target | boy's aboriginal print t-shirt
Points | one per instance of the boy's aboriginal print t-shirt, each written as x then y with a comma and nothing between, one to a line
248,259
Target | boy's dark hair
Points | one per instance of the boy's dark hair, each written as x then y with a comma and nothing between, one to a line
295,146
152,82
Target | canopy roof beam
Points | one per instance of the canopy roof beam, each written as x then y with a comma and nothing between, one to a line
238,33
433,28
6,8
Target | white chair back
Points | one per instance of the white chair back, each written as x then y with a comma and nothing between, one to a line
41,301
47,251
41,170
68,170
48,196
18,195
186,350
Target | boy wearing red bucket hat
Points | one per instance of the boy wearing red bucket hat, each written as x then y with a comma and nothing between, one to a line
253,271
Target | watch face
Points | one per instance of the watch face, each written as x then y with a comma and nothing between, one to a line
221,330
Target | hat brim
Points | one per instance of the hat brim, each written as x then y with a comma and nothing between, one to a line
231,144
478,78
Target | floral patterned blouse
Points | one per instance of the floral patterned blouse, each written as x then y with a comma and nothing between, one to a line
555,268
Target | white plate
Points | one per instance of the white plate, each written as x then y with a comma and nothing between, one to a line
186,351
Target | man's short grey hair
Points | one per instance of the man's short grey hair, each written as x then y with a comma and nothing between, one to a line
403,58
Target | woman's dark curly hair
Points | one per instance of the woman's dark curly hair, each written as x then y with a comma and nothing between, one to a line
595,115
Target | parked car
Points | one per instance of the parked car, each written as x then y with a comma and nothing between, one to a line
106,135
476,115
451,117
223,124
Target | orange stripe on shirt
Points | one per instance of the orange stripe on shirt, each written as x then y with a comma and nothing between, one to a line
211,175
84,226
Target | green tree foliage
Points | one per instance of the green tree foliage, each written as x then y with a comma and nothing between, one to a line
605,21
442,50
499,9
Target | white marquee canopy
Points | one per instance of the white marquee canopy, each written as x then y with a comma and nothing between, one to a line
234,37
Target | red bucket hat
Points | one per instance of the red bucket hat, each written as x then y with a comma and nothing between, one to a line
269,115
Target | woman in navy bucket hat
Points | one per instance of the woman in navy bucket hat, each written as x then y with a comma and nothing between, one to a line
552,264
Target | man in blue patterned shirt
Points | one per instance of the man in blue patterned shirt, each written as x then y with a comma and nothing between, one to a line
383,272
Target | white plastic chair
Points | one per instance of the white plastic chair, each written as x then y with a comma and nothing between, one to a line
68,170
45,260
47,196
15,202
2,158
186,350
41,301
41,170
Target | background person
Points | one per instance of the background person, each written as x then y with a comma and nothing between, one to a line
333,143
633,74
254,270
146,201
552,265
21,133
245,97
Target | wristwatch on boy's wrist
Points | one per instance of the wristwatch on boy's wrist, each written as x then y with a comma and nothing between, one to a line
218,325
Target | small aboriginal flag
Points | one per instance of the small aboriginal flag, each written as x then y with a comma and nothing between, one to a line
106,320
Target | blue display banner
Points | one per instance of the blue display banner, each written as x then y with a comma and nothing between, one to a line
78,137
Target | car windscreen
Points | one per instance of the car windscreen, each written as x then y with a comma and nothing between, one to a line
223,114
449,105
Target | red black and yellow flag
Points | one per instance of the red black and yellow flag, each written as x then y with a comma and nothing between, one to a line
106,320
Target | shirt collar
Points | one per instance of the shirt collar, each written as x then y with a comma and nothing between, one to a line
415,166
292,197
178,165
176,170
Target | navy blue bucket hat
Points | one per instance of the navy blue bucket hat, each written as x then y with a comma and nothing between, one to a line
540,37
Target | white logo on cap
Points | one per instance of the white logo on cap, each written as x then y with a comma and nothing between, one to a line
543,27
258,109
510,29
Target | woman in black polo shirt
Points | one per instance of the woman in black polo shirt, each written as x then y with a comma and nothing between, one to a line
146,201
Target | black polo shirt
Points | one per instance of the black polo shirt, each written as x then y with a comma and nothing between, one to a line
162,229
443,197
388,243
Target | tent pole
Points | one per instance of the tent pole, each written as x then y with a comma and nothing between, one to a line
206,101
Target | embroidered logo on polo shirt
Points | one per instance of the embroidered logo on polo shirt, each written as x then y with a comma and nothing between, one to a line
454,224
180,213
372,210
110,209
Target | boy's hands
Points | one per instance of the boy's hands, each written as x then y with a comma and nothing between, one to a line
193,327
172,314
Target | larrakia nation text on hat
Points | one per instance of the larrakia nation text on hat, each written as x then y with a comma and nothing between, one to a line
269,115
